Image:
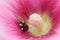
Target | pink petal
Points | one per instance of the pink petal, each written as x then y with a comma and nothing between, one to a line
8,23
9,9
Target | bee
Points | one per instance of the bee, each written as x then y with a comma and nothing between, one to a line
23,26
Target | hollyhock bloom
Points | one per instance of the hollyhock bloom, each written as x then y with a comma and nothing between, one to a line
43,15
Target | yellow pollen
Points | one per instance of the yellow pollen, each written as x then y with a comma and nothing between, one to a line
39,25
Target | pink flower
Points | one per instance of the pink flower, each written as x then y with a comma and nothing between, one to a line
10,9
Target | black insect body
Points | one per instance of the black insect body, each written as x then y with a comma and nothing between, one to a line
23,26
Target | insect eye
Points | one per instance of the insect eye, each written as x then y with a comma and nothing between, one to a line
24,27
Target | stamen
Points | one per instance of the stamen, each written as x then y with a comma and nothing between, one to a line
39,25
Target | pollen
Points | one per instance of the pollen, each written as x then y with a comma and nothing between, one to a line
39,24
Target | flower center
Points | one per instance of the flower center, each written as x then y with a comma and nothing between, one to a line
39,25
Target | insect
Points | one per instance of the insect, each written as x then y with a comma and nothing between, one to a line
23,26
